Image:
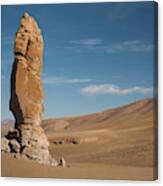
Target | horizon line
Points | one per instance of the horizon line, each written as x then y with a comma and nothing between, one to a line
80,115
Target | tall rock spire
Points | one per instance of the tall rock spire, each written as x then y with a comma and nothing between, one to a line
26,101
28,139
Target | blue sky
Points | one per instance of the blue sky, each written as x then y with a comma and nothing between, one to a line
96,56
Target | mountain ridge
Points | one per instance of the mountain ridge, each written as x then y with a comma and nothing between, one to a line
140,108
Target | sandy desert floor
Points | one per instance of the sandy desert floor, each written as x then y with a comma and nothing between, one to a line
24,168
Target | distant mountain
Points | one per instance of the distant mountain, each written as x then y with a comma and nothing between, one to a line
124,117
6,125
128,116
7,122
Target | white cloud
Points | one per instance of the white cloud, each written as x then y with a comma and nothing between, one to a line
88,41
98,45
114,90
131,46
63,80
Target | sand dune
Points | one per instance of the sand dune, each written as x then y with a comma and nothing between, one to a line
116,144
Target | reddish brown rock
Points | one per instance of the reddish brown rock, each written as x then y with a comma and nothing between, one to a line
26,101
28,139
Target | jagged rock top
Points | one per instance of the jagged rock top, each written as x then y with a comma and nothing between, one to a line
28,35
28,24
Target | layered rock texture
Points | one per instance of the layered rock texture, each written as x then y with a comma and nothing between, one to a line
28,138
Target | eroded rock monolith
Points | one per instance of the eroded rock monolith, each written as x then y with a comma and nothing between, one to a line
28,138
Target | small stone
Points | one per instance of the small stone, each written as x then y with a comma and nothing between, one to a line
62,162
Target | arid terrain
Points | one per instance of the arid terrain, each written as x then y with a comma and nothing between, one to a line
112,144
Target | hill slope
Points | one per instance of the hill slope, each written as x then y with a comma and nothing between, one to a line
122,136
128,116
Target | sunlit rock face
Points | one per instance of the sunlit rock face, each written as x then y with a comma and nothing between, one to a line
26,101
28,139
